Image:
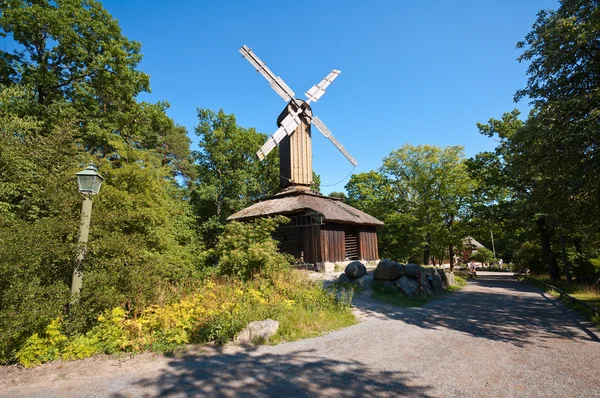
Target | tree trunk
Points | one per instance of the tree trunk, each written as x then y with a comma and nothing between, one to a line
427,249
547,250
565,258
451,251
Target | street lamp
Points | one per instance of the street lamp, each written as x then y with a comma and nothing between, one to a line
89,182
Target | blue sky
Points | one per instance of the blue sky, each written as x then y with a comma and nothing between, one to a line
418,72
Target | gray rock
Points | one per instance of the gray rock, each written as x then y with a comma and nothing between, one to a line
426,288
364,282
388,270
257,332
443,277
427,271
384,286
408,286
344,278
411,270
436,282
450,278
355,269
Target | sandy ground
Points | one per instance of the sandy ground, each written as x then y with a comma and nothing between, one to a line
496,337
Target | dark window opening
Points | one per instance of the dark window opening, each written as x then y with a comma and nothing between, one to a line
351,243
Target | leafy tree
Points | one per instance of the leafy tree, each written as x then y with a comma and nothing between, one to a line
482,255
67,97
339,195
512,177
316,185
560,139
420,193
72,52
229,174
435,184
371,193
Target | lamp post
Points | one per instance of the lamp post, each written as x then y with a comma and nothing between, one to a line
89,182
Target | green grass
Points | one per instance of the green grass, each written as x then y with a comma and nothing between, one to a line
460,283
302,324
580,291
400,300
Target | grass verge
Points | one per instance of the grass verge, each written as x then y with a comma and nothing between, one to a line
399,300
580,291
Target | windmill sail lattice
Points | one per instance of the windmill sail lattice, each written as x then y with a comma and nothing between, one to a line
293,134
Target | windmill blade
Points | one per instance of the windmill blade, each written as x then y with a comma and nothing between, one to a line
288,126
327,133
275,82
317,91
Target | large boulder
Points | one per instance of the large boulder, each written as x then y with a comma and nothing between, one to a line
443,277
411,270
388,270
364,282
257,332
355,269
344,278
426,288
406,285
450,279
436,282
384,286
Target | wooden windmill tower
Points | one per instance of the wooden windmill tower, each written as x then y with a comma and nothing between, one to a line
322,230
294,133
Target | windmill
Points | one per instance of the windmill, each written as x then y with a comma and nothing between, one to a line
294,133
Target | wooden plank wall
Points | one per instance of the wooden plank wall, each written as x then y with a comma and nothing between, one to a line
332,243
301,155
326,243
290,240
295,157
367,241
312,244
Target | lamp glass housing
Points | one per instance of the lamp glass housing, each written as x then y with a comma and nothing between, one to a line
89,181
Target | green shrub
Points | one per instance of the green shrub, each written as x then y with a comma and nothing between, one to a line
247,249
529,257
482,255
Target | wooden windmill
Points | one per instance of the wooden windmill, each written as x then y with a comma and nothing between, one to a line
322,230
294,133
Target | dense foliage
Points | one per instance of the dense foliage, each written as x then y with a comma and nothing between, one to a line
543,179
421,193
229,175
68,97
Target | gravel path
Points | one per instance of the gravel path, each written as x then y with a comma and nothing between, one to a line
496,337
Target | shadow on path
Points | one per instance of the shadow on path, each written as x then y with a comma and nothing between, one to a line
297,374
492,307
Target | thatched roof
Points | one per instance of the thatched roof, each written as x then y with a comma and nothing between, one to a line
471,243
292,201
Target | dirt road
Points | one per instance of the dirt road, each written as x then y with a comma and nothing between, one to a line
496,337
